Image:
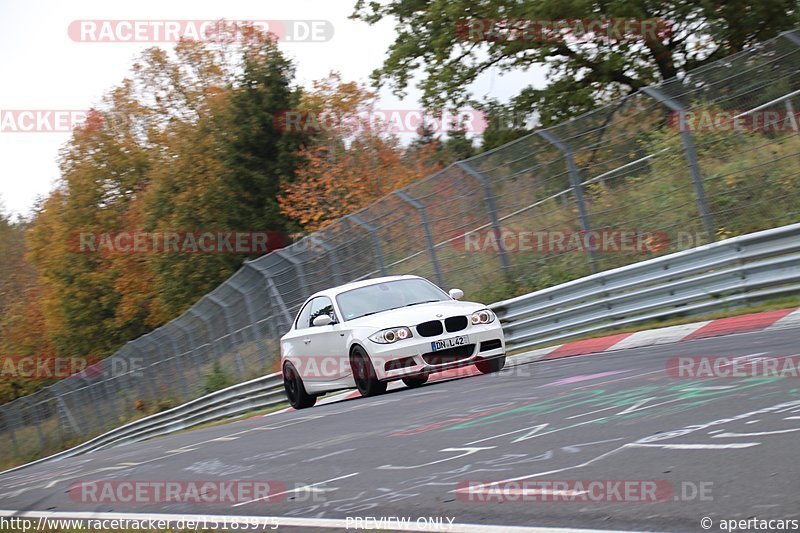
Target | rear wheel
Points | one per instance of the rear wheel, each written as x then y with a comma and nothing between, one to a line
415,381
492,365
295,390
364,373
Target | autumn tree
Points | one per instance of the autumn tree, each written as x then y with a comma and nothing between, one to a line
350,162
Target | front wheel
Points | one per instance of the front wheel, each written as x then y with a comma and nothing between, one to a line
492,365
364,373
295,390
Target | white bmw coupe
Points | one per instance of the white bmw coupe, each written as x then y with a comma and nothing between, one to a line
367,333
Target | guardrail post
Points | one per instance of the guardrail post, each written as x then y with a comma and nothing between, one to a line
413,202
229,322
491,209
690,153
298,267
330,250
577,189
376,241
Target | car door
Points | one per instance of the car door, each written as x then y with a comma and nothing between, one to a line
295,343
327,357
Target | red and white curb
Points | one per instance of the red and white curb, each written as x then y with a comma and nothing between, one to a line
769,320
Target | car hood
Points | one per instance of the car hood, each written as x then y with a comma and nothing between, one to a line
411,316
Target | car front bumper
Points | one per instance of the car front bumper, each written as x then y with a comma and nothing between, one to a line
415,356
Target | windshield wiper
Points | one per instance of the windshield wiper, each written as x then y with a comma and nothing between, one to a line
425,302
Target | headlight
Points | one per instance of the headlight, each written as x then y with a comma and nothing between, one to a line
484,316
388,336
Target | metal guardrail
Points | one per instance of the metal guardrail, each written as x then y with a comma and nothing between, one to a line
703,279
757,265
226,403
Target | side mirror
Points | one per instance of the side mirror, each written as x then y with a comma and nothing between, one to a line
322,320
456,294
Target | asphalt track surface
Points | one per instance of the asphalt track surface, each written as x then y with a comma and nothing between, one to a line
611,416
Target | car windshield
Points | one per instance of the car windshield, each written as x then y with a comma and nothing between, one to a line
389,295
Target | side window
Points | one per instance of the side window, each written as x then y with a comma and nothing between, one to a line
303,320
321,306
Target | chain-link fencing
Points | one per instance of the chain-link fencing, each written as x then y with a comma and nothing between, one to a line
708,156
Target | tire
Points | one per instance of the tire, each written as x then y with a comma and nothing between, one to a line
295,390
491,365
413,382
364,373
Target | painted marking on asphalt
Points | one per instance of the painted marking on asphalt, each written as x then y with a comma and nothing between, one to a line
129,464
223,439
534,429
585,377
328,455
758,434
467,451
304,487
734,445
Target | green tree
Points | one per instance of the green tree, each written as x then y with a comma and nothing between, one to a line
580,75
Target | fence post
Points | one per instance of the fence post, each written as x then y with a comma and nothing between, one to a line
229,322
251,316
413,202
690,153
577,190
376,241
10,428
180,369
271,288
35,414
491,208
330,250
299,271
192,342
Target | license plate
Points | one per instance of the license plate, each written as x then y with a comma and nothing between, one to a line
452,342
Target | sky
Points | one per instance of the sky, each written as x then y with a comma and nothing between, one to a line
43,68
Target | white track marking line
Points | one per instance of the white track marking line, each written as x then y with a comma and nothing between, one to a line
696,446
304,487
536,428
758,434
267,521
328,455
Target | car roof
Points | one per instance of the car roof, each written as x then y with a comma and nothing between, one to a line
333,291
